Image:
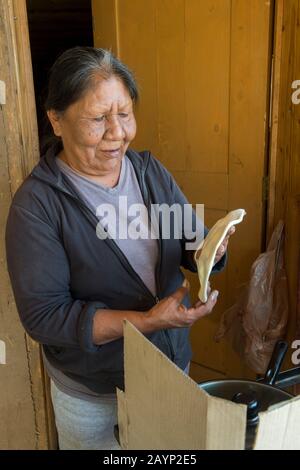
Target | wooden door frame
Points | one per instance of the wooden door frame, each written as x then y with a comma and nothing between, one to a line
22,153
274,114
284,167
280,116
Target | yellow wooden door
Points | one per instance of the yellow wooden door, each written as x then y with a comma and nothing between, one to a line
203,69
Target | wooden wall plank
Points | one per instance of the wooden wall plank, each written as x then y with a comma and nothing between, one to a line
138,38
171,67
17,426
207,84
30,139
284,158
249,79
24,424
250,65
205,350
277,57
213,190
290,142
105,24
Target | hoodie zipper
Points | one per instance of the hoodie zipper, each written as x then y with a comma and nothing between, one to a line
147,203
158,266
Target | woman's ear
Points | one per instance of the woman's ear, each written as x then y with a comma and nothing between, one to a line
55,119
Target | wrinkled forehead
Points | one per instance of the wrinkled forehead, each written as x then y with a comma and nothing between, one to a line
104,95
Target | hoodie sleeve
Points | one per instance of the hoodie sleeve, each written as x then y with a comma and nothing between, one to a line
39,271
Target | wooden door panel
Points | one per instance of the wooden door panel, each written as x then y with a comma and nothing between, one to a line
205,350
170,69
206,72
137,38
203,69
247,134
211,190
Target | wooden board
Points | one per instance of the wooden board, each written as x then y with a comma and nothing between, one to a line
23,418
284,156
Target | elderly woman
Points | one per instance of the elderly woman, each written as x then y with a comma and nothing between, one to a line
74,288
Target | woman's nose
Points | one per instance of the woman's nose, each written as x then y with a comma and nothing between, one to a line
114,128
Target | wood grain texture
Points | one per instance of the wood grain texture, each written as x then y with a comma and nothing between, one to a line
171,75
284,157
105,24
277,59
138,39
23,423
207,68
249,72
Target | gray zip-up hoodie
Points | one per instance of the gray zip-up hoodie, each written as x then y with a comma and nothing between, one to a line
61,272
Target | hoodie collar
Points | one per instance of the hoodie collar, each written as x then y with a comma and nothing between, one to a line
48,171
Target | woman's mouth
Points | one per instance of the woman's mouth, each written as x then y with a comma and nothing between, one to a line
112,152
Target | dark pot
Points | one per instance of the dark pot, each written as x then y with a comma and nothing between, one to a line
258,396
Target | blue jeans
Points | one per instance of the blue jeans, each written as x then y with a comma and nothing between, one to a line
83,425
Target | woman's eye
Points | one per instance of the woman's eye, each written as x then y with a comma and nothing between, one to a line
123,115
99,119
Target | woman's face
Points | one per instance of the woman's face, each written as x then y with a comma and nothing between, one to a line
97,129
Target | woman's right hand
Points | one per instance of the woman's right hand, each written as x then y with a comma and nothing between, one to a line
171,313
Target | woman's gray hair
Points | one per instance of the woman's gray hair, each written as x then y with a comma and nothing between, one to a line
74,72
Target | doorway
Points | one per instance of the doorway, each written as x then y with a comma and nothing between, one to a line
54,26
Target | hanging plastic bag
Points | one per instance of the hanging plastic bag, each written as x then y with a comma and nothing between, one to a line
259,317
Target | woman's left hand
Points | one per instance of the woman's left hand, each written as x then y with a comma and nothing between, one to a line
223,247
